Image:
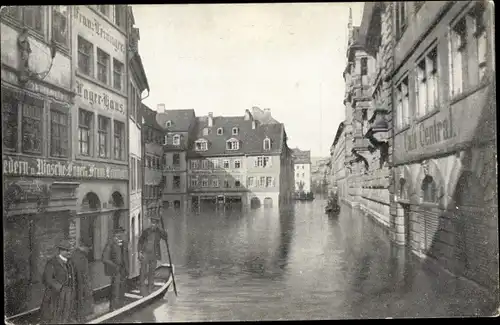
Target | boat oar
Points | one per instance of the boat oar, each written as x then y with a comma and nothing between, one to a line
169,258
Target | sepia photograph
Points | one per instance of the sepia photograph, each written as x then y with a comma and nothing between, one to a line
282,161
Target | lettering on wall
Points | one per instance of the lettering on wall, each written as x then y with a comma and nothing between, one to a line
428,133
98,29
100,98
36,167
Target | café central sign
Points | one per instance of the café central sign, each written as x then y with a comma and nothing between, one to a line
429,132
37,167
99,29
100,98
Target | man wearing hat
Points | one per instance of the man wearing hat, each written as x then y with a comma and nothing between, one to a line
84,297
148,248
116,265
58,304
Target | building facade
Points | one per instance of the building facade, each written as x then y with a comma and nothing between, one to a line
338,172
445,139
138,84
302,168
178,126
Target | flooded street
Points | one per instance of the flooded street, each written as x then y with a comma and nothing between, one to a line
297,263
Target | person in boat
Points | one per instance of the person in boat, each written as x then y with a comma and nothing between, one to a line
84,297
148,248
58,303
116,265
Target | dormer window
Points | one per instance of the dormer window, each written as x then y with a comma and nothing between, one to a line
220,131
232,144
235,131
201,145
177,140
267,144
168,124
165,140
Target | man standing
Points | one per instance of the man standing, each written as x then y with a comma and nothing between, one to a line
149,253
116,265
59,278
84,298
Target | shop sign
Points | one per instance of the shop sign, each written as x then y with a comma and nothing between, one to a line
429,132
98,27
37,167
99,97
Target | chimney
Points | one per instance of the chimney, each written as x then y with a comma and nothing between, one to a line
253,124
267,112
210,119
160,108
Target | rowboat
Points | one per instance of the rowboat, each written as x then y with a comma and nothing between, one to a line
133,300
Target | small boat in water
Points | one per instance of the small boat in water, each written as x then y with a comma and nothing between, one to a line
133,300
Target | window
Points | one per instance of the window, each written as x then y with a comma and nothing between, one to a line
177,182
204,182
269,182
402,189
32,125
168,124
401,16
262,162
262,181
204,164
364,66
60,24
225,164
458,46
215,182
402,103
235,131
194,182
177,140
85,123
103,130
429,190
251,181
220,131
9,119
33,17
297,175
226,183
85,56
117,74
215,163
132,173
120,15
237,164
237,181
427,83
104,9
194,164
478,19
58,134
102,66
201,146
119,135
232,144
176,159
267,144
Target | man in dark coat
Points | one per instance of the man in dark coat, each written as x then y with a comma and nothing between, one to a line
116,265
148,248
59,278
84,298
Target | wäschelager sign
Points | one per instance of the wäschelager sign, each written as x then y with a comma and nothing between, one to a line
37,167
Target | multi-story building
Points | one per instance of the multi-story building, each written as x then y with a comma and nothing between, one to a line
238,160
179,126
152,156
302,168
337,163
138,83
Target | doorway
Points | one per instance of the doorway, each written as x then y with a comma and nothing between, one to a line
87,234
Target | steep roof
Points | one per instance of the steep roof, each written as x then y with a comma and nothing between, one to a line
181,119
251,140
149,117
301,157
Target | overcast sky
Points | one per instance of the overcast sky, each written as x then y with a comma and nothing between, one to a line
225,58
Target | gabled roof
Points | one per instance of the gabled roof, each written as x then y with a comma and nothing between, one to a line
149,117
301,157
251,140
181,119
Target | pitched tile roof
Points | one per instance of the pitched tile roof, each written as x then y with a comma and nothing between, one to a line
181,119
251,140
262,116
149,117
301,157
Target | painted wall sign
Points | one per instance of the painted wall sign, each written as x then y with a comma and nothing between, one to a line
99,97
429,132
99,27
37,167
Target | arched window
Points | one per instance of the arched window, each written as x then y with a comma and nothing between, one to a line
235,131
267,144
177,140
429,190
402,189
220,131
232,144
168,124
468,191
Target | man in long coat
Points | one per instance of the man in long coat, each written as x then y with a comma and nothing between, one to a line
116,265
59,278
148,248
84,297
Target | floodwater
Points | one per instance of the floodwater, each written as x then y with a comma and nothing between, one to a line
297,263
